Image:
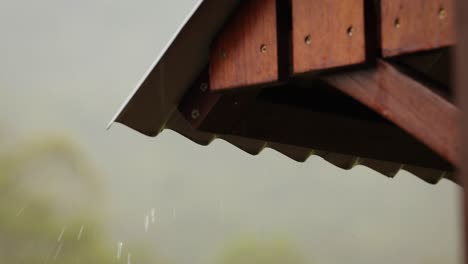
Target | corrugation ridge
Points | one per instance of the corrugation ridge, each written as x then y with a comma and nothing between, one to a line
178,124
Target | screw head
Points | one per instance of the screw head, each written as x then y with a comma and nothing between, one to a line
204,87
397,23
442,13
195,114
350,31
308,40
263,48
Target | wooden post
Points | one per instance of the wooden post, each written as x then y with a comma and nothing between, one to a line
461,62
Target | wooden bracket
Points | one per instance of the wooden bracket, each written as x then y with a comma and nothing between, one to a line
406,102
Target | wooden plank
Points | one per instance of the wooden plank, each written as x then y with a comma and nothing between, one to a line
245,53
327,34
407,103
461,80
416,25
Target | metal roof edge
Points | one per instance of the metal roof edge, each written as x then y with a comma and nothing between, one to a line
154,64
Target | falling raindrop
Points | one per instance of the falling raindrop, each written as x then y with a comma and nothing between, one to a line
153,215
59,249
129,258
20,212
78,237
119,249
61,234
146,223
174,213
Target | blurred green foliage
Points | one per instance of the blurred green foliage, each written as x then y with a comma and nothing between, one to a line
33,227
43,223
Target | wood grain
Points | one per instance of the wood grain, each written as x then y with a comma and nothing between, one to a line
327,34
407,103
245,53
416,25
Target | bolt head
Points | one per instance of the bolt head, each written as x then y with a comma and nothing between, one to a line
195,114
350,31
442,13
397,23
308,40
204,87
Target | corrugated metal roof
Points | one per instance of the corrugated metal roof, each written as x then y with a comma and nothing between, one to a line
152,107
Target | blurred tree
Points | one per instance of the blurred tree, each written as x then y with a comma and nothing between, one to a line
39,224
252,251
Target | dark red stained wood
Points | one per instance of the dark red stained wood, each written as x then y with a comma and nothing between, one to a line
416,25
327,33
461,66
407,103
281,117
245,53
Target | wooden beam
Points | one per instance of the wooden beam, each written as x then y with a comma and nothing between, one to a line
316,117
409,104
416,25
245,53
327,34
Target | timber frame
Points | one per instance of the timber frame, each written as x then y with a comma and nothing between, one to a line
353,81
344,76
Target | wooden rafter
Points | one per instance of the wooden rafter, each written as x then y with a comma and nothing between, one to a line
245,53
415,25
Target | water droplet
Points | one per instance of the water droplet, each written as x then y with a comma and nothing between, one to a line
146,223
20,212
59,249
174,213
119,249
78,237
153,215
61,234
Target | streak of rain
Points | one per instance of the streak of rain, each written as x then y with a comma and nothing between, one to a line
61,234
59,249
153,215
20,212
119,249
80,233
129,258
146,223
